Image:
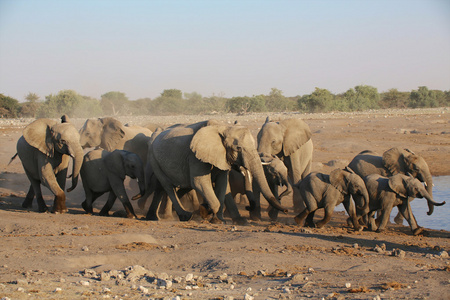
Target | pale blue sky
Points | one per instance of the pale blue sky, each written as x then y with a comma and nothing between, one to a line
233,48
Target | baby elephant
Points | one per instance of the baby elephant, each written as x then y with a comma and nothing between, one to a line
398,190
104,171
318,190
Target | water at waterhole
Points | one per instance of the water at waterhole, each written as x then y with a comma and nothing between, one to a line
440,219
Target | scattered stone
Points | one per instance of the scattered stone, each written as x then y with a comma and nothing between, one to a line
248,297
89,273
398,253
84,283
348,285
21,289
297,279
85,248
378,249
223,277
189,277
143,289
57,290
105,276
443,254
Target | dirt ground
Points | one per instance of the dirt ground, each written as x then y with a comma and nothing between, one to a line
73,256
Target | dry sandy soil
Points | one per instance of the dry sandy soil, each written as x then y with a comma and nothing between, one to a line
72,256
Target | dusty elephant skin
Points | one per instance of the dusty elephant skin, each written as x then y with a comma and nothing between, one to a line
75,256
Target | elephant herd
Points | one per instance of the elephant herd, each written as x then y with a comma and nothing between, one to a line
207,163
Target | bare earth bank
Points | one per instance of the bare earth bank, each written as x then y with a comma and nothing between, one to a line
74,255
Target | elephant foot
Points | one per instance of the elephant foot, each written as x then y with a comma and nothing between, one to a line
240,221
141,203
43,209
379,230
205,211
398,219
216,220
103,213
27,203
255,215
151,217
418,230
86,208
186,216
273,214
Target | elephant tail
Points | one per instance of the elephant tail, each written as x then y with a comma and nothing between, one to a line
12,158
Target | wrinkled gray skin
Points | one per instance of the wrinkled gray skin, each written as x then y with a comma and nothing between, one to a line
277,176
44,150
394,161
104,171
319,190
290,140
110,134
398,190
199,156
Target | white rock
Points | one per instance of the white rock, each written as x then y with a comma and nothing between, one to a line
348,285
57,290
248,297
189,277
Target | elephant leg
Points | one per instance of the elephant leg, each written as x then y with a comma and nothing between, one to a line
399,218
220,190
310,219
48,176
273,212
327,217
152,213
405,210
28,202
108,205
383,219
255,205
297,168
351,211
121,193
233,211
300,218
165,207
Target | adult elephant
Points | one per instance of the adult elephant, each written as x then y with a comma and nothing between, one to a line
45,149
290,140
104,171
198,156
394,161
398,190
110,134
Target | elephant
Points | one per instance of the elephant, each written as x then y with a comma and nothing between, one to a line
290,140
45,149
276,174
398,190
110,134
319,190
105,171
394,161
199,156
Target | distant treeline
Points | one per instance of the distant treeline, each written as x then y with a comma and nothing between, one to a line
173,101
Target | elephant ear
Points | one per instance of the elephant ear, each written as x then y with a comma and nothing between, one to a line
207,145
397,184
40,135
114,163
296,134
339,180
393,160
113,133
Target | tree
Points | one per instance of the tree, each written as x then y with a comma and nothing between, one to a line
65,102
394,98
318,101
275,101
30,108
172,93
363,97
114,103
87,108
423,97
9,107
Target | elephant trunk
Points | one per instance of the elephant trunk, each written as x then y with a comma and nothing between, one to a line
364,207
431,202
253,163
428,180
77,155
286,182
